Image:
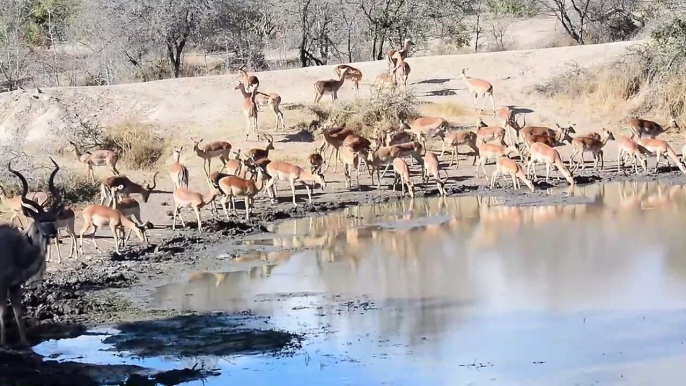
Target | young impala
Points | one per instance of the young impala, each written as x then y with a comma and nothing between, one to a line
283,171
185,198
633,151
401,71
351,161
487,152
97,158
99,216
214,149
64,220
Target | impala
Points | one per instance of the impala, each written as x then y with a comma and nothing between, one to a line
403,53
249,110
425,127
122,185
250,81
177,171
353,74
633,151
316,162
99,216
97,158
233,187
186,198
283,171
15,206
455,138
478,88
402,70
256,154
540,152
488,151
645,128
660,148
214,149
330,86
506,166
582,145
432,166
64,220
402,173
351,161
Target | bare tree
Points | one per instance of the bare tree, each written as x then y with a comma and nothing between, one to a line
15,54
498,30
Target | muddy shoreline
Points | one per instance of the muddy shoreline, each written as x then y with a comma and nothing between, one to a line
108,289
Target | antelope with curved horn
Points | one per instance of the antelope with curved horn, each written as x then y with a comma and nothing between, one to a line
478,87
177,171
283,171
214,149
353,74
186,198
249,110
330,86
403,53
99,216
256,153
123,186
97,158
22,253
250,81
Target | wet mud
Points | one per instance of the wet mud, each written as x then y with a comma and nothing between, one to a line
84,294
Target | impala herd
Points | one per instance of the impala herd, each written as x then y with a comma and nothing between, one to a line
255,172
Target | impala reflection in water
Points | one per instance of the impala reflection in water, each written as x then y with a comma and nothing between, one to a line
467,291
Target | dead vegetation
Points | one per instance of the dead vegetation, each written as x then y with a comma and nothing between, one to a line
648,81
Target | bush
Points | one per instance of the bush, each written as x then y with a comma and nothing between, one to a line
138,147
653,76
76,189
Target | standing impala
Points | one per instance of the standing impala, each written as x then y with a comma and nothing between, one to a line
402,173
122,185
97,158
64,220
582,145
403,53
455,138
233,186
99,216
645,128
214,149
660,148
257,153
250,81
401,71
15,206
330,86
249,109
353,74
432,166
540,152
177,171
478,88
633,151
505,166
186,198
425,127
283,171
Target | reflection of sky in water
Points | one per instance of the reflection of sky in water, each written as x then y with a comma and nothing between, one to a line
596,292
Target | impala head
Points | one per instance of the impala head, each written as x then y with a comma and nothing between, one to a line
148,189
43,226
270,142
464,72
196,144
481,123
609,134
141,232
569,128
672,123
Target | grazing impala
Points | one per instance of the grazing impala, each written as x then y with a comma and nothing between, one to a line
432,166
455,138
99,216
633,151
488,151
186,198
122,185
214,149
478,88
353,74
425,127
660,148
233,187
177,171
316,162
540,152
402,173
582,145
505,166
64,220
330,86
97,158
283,171
645,128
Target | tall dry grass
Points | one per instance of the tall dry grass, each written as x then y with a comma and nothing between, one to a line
137,145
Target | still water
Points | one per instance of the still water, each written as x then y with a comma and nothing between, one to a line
456,291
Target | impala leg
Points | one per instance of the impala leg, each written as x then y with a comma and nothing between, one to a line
309,192
658,156
514,181
57,246
95,230
72,250
115,236
223,202
293,191
176,210
197,216
15,298
547,172
247,208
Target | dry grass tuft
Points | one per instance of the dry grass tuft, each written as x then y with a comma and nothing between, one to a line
138,147
76,189
445,110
